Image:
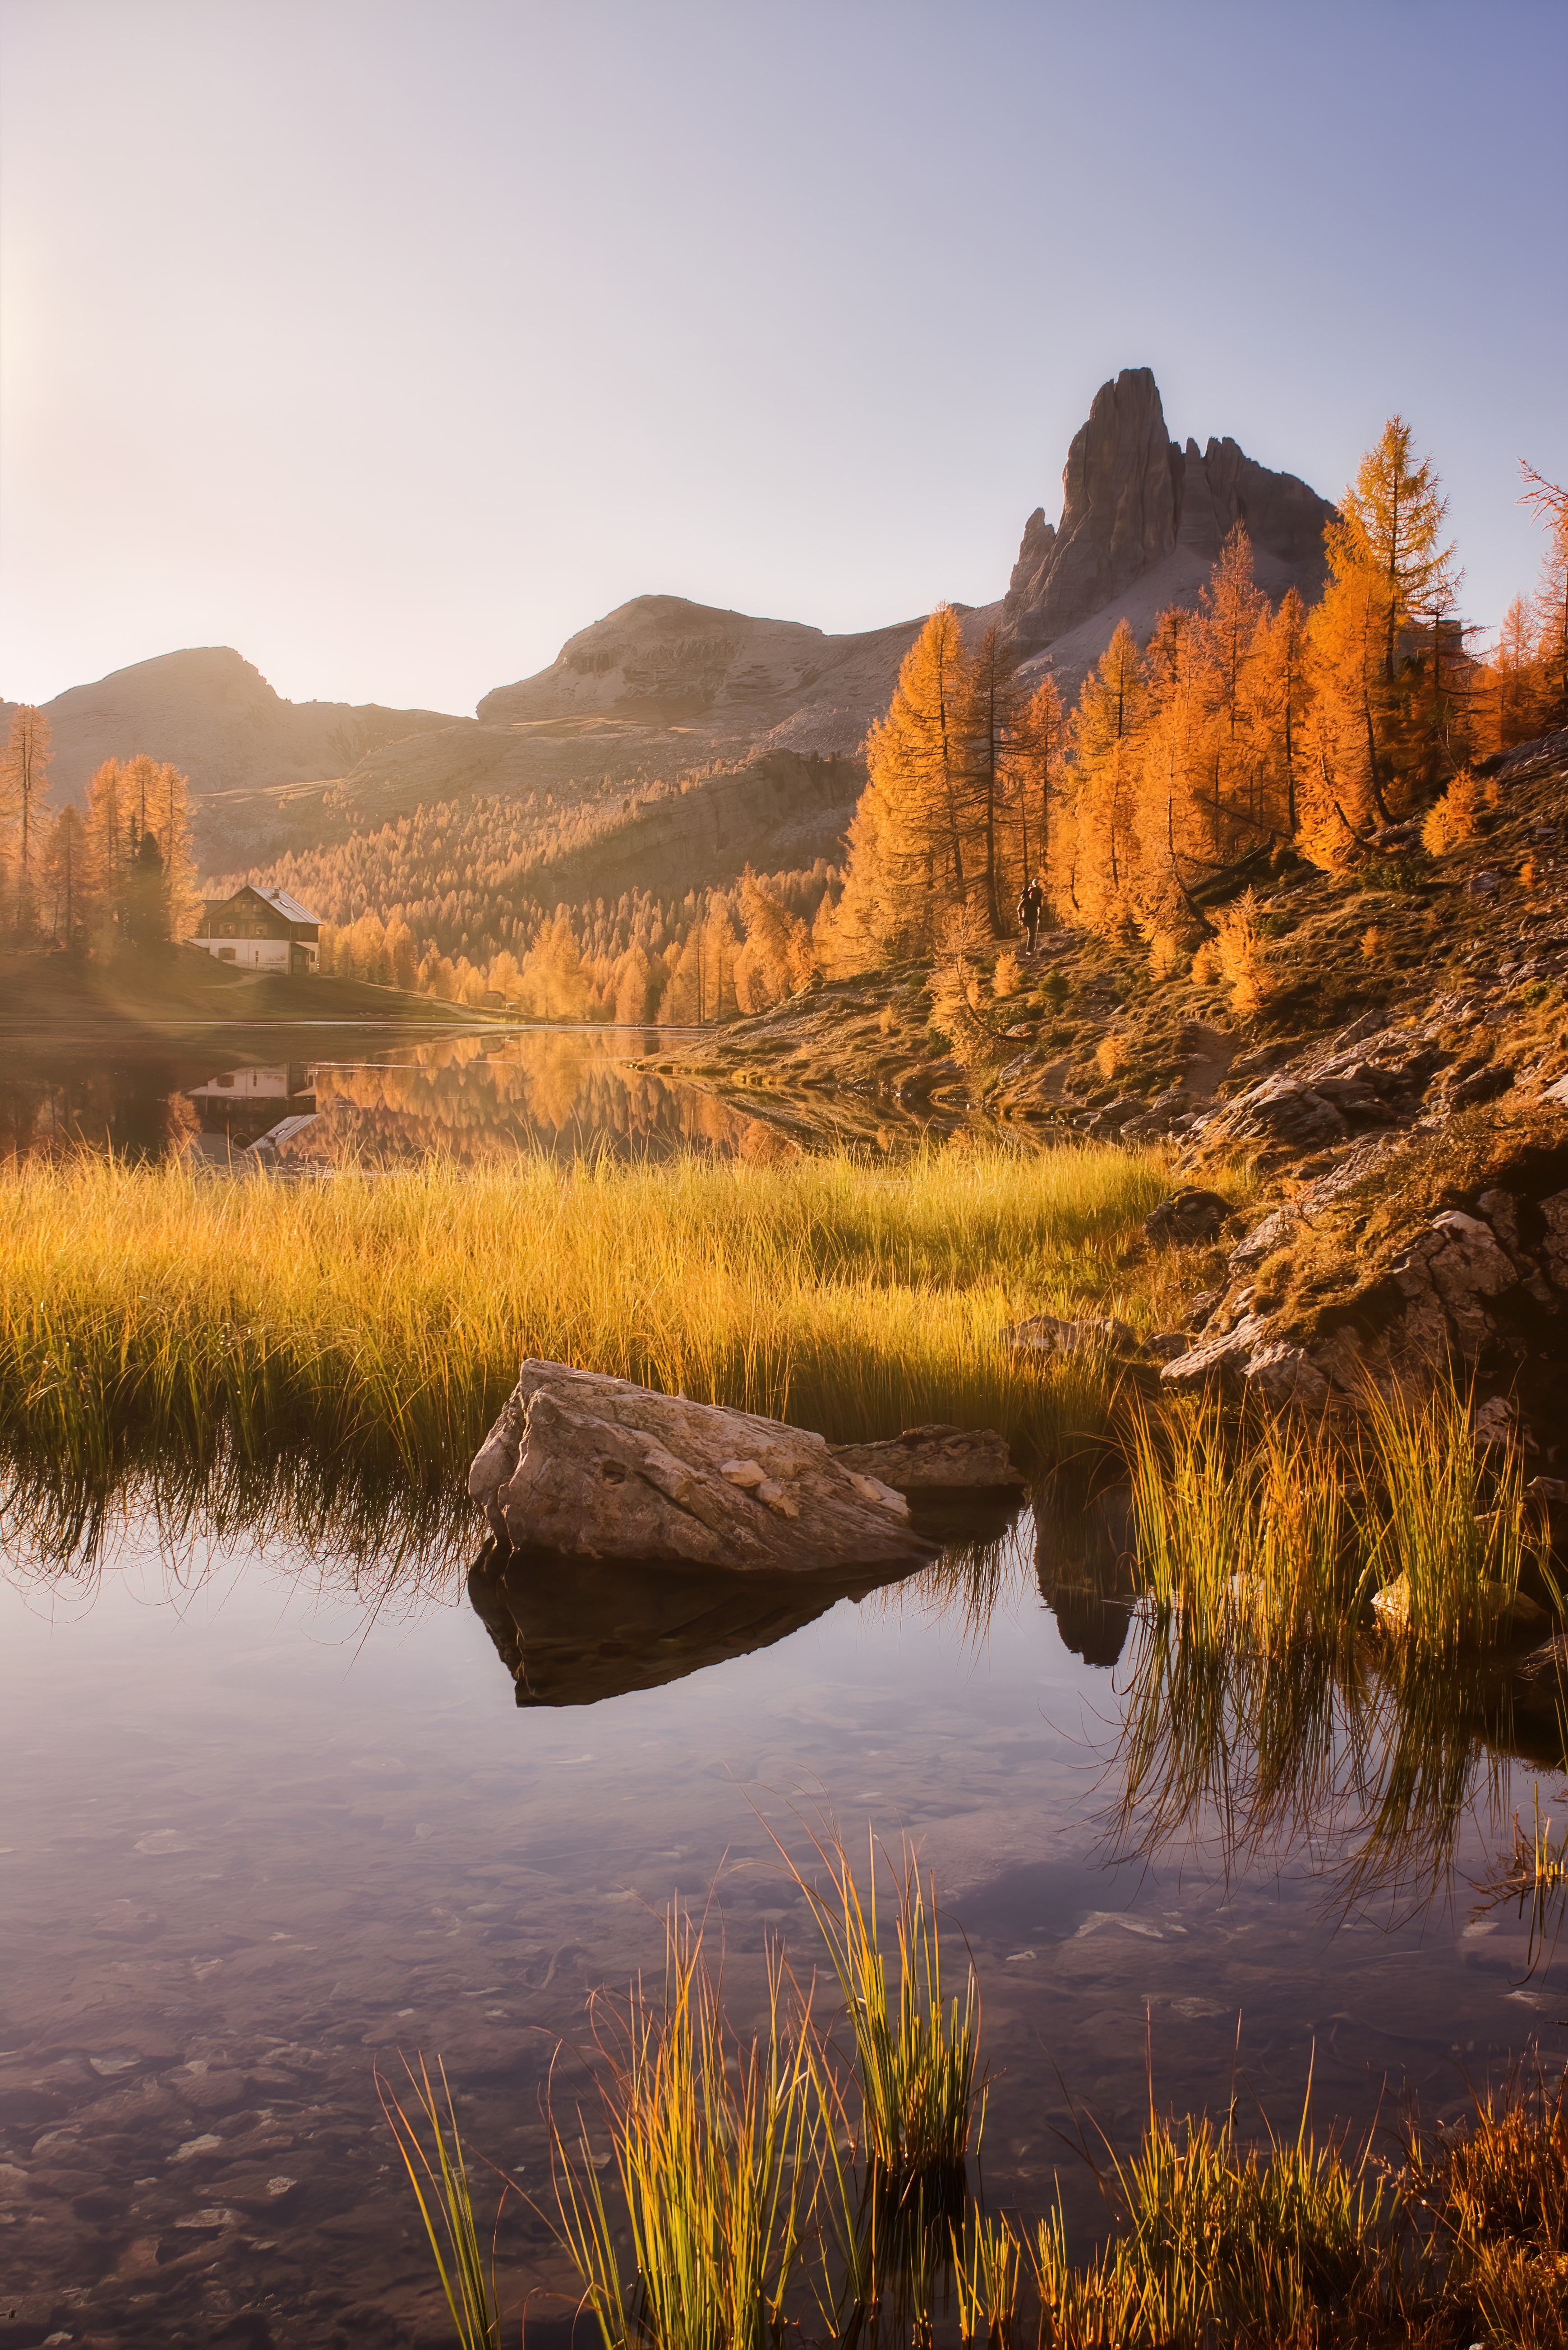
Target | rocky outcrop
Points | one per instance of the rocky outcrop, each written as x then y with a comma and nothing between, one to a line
1371,1275
1135,505
588,1467
1048,1333
1119,513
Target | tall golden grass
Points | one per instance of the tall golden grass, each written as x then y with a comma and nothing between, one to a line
712,2146
146,1309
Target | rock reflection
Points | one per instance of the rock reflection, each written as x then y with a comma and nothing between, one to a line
1084,1567
575,1633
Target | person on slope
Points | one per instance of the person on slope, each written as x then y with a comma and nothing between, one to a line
1031,906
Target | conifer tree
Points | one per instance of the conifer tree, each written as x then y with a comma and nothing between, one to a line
108,846
907,838
1105,780
1392,526
1284,695
1036,757
1550,505
1515,680
987,714
65,871
1376,640
24,784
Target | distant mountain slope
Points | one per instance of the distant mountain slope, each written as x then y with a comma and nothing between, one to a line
660,661
215,716
661,688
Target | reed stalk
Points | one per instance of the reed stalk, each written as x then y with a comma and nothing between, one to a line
445,2199
915,2056
987,2258
714,2149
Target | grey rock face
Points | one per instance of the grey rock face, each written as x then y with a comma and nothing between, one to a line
591,1467
1284,1111
1130,495
1445,1280
1118,513
1285,1374
1263,1240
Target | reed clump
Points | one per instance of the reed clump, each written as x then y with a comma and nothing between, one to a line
1271,1531
1241,1527
1451,1536
915,2055
1495,2193
714,2146
146,1311
727,2160
1218,2241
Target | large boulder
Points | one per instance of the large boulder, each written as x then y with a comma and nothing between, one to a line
591,1466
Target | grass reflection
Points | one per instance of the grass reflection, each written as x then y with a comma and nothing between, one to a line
1363,1760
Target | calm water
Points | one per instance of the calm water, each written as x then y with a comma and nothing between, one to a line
350,1095
267,1825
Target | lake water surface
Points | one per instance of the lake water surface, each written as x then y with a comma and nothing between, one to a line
336,1094
270,1826
275,1819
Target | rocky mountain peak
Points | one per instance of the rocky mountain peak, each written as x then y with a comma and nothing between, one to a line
1136,504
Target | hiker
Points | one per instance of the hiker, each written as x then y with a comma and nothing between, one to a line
1031,906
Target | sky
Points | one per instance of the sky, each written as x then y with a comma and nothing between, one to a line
393,343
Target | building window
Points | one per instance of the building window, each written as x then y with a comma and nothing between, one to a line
225,954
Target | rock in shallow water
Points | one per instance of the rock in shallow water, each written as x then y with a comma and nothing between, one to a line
935,1460
592,1467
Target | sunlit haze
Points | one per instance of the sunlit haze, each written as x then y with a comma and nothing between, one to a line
392,344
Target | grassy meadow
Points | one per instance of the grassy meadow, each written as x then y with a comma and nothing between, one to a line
149,1310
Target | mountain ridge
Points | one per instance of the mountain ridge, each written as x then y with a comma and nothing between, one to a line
662,687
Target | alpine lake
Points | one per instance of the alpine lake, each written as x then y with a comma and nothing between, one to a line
278,1819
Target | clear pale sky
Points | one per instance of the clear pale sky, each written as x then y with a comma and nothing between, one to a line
392,343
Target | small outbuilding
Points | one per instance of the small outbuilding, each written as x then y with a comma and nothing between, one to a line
262,930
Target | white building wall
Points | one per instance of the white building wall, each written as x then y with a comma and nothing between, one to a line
259,954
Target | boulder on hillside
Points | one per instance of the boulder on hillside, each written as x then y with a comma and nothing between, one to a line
1187,1217
591,1466
1283,1110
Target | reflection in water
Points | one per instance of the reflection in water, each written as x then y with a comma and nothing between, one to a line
1361,1761
136,1111
371,1530
275,1820
1082,1563
596,1629
476,1097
